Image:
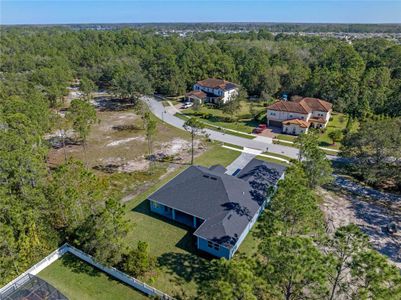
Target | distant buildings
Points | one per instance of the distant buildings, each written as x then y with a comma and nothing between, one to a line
213,90
296,117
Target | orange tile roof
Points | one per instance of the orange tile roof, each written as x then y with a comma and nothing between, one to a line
290,106
302,106
199,94
300,123
217,83
317,104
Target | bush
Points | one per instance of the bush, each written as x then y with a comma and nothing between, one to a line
229,119
138,261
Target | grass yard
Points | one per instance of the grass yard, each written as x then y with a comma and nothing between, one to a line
212,126
338,122
245,122
181,267
78,280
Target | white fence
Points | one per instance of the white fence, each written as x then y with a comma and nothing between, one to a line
44,263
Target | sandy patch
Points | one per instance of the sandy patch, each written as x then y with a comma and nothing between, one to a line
124,141
177,146
132,166
372,216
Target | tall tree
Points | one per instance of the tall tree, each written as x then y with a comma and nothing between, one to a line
234,279
74,193
314,161
104,234
82,116
130,83
374,277
294,209
87,86
195,127
346,244
293,267
150,127
375,151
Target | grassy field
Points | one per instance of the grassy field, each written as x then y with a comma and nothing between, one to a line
181,266
77,281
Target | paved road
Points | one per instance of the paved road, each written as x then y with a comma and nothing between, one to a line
264,145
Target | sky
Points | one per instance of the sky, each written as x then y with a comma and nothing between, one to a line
135,11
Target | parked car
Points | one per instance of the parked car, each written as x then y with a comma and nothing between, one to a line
260,128
187,105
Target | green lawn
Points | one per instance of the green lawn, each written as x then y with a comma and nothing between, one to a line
78,280
338,122
245,122
181,267
211,125
268,159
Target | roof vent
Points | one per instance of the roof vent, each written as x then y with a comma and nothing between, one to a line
206,176
214,178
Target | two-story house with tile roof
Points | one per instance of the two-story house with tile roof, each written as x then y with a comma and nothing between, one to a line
213,90
296,117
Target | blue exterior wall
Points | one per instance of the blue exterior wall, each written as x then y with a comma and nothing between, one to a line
159,209
175,215
248,228
202,244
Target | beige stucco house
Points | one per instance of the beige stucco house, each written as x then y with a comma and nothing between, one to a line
296,117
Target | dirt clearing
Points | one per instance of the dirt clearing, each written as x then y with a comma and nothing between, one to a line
372,216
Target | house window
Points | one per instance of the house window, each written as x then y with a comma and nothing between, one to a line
155,204
212,245
272,113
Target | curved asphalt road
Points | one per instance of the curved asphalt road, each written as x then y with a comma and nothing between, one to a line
159,111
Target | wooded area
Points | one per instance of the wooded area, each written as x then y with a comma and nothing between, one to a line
42,207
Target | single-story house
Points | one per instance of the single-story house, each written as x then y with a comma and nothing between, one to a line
221,208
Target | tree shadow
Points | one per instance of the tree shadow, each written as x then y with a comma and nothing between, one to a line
77,265
325,144
238,209
376,216
187,243
114,104
186,267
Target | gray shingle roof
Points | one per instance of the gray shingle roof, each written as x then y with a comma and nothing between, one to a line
226,203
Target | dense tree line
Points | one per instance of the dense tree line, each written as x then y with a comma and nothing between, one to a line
360,79
244,27
374,153
42,207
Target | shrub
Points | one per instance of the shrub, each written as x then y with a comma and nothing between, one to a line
138,261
